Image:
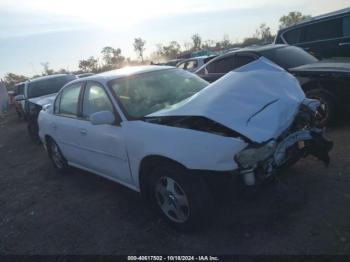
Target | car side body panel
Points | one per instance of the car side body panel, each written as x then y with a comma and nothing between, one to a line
192,149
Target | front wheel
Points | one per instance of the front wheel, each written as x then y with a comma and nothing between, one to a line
182,198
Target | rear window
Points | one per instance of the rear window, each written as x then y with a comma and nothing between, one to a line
223,65
48,86
289,56
242,60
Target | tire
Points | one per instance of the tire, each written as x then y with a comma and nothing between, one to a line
56,156
182,198
328,112
33,130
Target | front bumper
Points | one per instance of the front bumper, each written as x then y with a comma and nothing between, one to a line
304,142
287,151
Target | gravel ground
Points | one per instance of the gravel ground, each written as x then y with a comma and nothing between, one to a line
42,212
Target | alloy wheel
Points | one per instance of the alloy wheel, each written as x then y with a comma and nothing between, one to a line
172,199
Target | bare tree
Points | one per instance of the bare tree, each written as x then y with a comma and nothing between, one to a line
292,18
89,65
47,69
139,47
197,41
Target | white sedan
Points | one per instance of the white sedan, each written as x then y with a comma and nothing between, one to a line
164,132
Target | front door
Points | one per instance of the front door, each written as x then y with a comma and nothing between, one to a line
102,145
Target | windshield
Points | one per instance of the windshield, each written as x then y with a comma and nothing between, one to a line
289,57
144,94
48,86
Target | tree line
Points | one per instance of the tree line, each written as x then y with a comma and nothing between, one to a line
112,58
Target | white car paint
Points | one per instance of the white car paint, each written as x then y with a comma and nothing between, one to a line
116,152
43,100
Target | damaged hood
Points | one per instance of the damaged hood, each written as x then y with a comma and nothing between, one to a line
43,100
258,100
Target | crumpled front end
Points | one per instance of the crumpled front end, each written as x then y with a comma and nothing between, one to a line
303,138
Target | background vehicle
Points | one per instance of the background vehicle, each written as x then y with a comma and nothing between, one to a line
327,81
137,126
324,36
194,63
19,104
37,92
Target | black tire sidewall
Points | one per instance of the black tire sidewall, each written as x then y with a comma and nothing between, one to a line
65,164
315,94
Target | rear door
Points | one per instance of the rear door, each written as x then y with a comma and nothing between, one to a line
103,146
323,39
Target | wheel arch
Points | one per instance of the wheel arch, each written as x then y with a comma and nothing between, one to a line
146,166
318,86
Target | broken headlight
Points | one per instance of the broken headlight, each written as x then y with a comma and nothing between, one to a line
252,155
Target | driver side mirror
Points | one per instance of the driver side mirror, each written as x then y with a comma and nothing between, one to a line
102,118
19,98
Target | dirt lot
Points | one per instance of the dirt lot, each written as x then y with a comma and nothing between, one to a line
42,212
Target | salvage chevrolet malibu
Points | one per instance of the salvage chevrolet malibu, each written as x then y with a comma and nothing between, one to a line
165,132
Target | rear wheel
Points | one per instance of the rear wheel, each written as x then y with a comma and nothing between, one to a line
56,156
182,198
326,113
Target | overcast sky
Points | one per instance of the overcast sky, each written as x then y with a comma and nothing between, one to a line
62,32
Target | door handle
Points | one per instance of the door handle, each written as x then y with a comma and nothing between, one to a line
344,43
82,132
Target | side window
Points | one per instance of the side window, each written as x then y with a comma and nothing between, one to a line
292,36
346,26
223,65
321,31
241,60
95,100
182,65
191,64
69,100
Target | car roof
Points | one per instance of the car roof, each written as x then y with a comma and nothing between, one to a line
123,72
196,58
257,49
319,17
41,78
